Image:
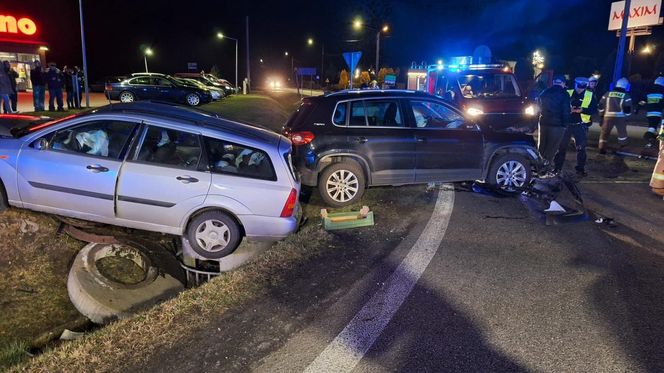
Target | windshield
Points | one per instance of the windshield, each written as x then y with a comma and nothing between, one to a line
22,128
488,86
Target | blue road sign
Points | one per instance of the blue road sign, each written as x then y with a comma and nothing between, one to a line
352,58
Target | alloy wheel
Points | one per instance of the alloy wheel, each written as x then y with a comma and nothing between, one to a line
511,175
126,97
193,100
342,186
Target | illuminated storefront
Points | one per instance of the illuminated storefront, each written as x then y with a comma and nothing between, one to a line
20,44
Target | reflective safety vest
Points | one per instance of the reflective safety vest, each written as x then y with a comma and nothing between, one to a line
587,99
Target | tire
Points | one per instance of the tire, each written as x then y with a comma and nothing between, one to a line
126,97
103,299
4,202
342,184
510,172
214,234
192,99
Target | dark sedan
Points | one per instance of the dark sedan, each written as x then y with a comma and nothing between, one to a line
152,86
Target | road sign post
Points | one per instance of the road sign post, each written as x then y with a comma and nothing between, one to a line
352,58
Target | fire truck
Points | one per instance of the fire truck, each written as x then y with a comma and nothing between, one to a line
489,93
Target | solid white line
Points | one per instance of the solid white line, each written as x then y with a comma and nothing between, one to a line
348,348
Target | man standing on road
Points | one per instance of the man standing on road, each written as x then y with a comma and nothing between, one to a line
13,97
615,106
55,80
584,105
554,117
5,91
654,106
38,86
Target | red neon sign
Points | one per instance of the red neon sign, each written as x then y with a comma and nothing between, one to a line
11,25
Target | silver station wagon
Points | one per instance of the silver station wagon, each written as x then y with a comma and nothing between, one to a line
156,167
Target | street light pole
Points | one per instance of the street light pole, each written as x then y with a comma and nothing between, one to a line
145,58
222,36
85,60
377,50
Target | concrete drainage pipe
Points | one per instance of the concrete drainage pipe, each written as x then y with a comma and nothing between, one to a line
102,296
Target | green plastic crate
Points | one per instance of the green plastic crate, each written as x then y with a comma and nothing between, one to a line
331,226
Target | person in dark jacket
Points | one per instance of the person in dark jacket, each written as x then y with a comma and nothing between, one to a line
584,106
55,81
554,118
5,91
38,80
615,106
654,107
70,80
13,75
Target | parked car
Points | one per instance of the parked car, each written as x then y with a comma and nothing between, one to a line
157,167
100,85
347,141
210,81
154,86
217,93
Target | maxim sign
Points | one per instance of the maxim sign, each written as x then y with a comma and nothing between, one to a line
9,25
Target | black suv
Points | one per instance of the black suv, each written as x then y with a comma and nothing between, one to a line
347,141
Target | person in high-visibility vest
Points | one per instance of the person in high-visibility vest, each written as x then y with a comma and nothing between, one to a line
657,179
654,106
615,106
583,106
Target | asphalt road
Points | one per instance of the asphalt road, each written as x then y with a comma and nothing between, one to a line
502,292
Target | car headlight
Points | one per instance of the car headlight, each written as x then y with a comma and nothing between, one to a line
473,111
530,110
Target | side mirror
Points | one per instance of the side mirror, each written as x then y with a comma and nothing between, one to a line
41,144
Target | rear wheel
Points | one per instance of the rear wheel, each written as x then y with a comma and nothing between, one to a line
342,184
214,234
127,96
510,172
193,99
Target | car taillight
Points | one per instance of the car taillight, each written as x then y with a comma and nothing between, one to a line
108,87
289,207
301,138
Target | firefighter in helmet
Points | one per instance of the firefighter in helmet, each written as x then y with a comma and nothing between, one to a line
615,106
654,106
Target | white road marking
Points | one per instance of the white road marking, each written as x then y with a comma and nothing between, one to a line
348,348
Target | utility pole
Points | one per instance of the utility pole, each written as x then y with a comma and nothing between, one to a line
248,63
620,56
85,60
377,50
322,65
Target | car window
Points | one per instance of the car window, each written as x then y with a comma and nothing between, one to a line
98,138
162,82
227,158
431,114
140,80
164,146
383,113
340,114
358,115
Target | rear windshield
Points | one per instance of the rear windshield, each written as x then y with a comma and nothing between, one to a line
299,115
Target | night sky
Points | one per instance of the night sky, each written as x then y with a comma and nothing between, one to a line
572,33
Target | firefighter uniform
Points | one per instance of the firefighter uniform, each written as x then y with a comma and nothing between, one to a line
654,106
657,180
615,106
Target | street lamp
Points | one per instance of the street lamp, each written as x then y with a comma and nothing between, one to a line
358,24
310,41
222,36
648,49
147,52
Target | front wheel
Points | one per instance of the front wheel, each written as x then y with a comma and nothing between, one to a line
127,96
510,172
342,184
193,99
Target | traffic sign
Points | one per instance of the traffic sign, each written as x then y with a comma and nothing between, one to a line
352,58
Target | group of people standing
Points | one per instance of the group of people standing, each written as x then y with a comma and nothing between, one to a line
52,79
567,114
56,80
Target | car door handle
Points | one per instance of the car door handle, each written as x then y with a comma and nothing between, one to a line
421,139
361,139
96,168
187,179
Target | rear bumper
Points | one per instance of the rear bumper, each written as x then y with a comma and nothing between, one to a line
267,228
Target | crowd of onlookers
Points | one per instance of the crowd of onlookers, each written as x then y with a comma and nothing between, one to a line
56,81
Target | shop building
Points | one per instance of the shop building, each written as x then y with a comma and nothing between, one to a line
21,45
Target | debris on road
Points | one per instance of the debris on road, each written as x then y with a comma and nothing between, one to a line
68,335
346,220
29,227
